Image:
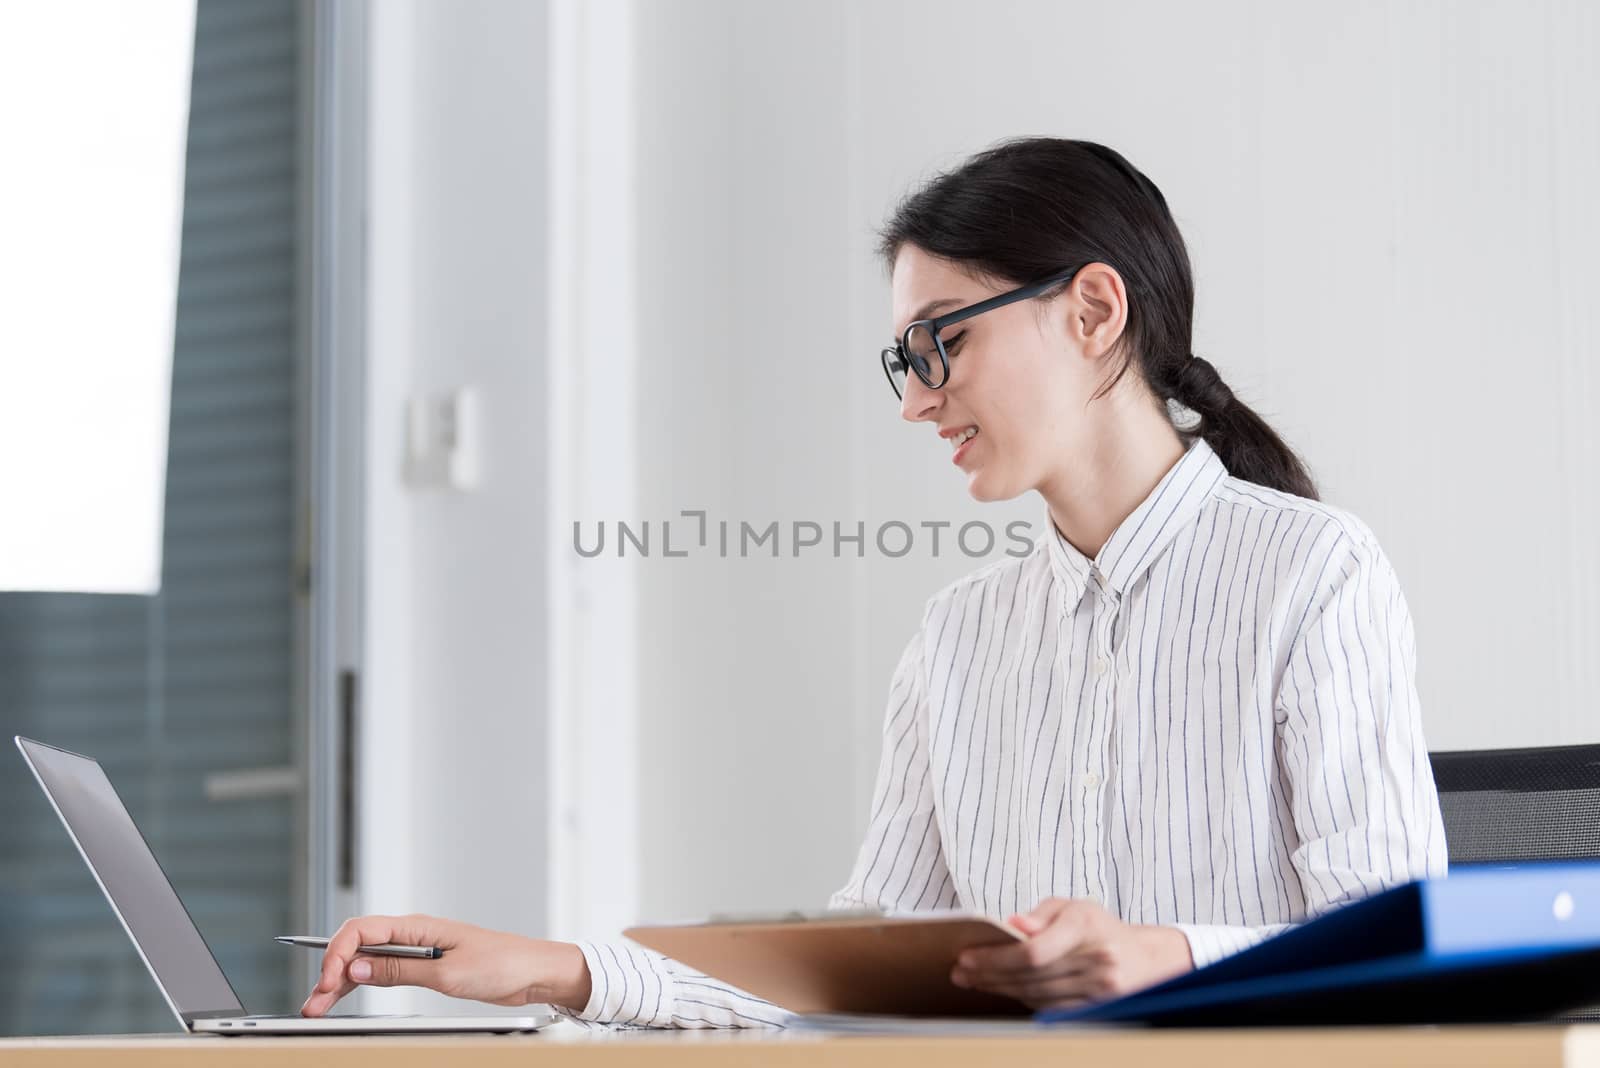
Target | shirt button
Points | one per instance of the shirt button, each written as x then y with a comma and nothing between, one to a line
1100,665
1092,780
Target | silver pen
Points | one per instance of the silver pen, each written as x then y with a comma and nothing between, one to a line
388,949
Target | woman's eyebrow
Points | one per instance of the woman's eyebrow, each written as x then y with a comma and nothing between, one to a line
927,310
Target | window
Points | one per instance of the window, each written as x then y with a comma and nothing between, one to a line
173,692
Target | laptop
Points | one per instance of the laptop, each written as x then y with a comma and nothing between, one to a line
162,931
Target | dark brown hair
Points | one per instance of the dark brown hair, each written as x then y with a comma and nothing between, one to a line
1028,208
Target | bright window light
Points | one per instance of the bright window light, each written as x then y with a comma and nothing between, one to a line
94,107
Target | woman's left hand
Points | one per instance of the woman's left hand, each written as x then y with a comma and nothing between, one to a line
1076,952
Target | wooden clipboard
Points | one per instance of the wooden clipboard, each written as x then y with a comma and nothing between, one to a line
887,963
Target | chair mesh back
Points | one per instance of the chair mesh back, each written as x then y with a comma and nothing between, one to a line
1521,804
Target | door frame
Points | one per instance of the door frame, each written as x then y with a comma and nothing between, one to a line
328,605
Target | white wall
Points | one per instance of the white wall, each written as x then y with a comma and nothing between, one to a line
453,787
1388,211
590,444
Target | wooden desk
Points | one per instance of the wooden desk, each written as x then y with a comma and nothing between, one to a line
1447,1047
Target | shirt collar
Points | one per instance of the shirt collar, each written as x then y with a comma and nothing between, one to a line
1140,538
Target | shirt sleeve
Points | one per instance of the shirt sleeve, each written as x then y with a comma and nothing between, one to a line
900,865
630,986
1361,790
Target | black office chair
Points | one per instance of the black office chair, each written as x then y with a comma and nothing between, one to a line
1521,804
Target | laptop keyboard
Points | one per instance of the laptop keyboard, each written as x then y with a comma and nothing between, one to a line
330,1016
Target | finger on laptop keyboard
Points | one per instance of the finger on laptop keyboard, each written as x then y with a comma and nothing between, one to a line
321,1001
347,942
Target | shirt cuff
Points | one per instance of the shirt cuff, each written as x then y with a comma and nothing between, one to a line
1211,942
623,990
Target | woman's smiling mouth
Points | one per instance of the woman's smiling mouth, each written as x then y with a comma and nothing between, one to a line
961,440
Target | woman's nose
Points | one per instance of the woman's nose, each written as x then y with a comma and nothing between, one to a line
919,403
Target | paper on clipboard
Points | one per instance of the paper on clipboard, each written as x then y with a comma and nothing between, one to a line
858,961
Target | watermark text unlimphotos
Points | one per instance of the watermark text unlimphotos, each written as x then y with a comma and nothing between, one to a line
693,533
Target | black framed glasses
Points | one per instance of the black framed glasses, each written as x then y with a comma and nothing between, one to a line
921,349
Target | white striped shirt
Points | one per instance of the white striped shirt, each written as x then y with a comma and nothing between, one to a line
1213,725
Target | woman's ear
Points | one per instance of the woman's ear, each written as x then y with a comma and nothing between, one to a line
1098,310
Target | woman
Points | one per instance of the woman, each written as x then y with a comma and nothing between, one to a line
1185,721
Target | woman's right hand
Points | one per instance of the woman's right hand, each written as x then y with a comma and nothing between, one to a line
478,964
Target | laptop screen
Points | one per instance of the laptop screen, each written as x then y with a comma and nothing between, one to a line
133,881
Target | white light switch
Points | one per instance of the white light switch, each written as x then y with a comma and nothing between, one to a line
442,435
